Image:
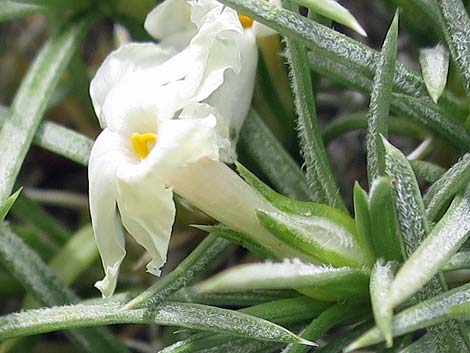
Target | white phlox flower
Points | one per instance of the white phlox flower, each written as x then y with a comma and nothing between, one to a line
167,110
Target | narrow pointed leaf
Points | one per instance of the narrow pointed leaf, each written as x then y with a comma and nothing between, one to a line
409,204
262,147
318,237
379,106
283,312
456,27
362,218
7,204
443,241
334,11
435,67
194,316
318,170
380,279
28,106
454,180
289,274
423,315
384,225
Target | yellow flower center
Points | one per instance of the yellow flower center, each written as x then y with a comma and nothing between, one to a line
246,21
143,143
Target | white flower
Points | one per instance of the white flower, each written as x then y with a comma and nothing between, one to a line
165,109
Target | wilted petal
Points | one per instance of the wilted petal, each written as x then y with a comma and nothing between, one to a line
120,63
105,157
148,212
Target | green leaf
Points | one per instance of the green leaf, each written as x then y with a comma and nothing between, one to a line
318,170
421,111
28,106
25,265
334,315
11,10
329,45
454,180
232,298
397,125
459,261
423,315
435,67
443,241
427,171
196,262
317,237
274,161
333,10
456,28
414,229
64,142
283,312
409,204
380,280
385,231
362,218
193,316
379,107
343,281
7,204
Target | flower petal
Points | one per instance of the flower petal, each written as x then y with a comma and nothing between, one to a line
105,157
120,63
170,22
148,212
233,98
182,142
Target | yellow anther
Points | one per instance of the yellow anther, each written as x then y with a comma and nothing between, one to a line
143,143
246,21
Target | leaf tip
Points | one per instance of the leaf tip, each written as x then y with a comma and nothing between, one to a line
307,342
